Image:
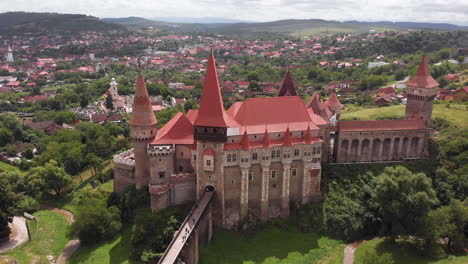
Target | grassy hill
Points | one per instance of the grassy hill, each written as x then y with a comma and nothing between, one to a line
457,115
17,22
289,26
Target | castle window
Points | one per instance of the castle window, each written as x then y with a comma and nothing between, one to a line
293,172
244,160
208,163
254,156
273,174
162,174
251,175
181,169
194,157
229,158
181,154
296,152
234,157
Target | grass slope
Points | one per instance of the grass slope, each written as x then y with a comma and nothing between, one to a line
115,251
457,115
402,253
271,245
48,238
7,167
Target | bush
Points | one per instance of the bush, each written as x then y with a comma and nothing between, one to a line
95,222
373,258
152,232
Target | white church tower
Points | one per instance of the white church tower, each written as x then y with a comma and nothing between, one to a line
9,56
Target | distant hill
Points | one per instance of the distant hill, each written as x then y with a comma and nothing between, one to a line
419,25
200,20
17,22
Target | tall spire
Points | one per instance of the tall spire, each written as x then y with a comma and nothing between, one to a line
287,87
287,139
266,139
142,113
245,144
423,77
211,113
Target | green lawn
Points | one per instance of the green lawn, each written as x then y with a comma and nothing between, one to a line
48,238
403,252
457,115
115,251
7,167
85,175
271,245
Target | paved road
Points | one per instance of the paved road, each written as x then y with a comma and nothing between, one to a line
19,234
182,235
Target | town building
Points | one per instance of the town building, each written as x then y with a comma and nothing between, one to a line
113,91
263,154
9,55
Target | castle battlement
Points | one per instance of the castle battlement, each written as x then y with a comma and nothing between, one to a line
155,150
126,158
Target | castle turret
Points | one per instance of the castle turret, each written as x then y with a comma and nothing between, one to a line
421,91
142,130
210,134
287,87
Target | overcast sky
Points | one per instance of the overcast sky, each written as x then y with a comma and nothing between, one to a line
449,11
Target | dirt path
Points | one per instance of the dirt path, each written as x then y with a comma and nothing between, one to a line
19,234
349,251
72,245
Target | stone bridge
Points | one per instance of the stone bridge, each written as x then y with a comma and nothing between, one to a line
196,228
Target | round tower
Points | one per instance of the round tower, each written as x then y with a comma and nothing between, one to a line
420,92
142,131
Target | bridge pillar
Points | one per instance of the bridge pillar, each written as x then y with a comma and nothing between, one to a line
210,222
191,251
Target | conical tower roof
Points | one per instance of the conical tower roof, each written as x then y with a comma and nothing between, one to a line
142,113
423,77
333,100
287,139
245,143
266,139
287,87
211,111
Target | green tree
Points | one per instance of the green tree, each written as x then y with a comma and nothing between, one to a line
109,102
8,201
95,221
52,177
94,162
404,198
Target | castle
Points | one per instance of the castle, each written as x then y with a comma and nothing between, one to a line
262,154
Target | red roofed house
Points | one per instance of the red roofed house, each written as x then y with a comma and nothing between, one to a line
261,154
461,95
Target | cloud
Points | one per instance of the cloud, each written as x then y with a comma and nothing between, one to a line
447,11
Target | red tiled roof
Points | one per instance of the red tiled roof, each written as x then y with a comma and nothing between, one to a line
423,78
211,111
255,113
179,130
142,113
381,125
209,151
266,143
308,136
